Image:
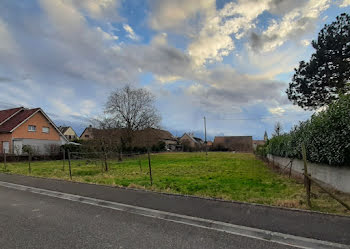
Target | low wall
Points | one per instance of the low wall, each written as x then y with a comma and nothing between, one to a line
336,177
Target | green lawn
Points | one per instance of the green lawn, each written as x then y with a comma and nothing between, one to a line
228,176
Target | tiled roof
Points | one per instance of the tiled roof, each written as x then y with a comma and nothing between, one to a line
16,119
63,129
5,114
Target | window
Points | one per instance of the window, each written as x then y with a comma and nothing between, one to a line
32,128
46,129
86,135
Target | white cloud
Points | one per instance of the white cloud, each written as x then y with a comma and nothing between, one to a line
214,40
7,42
268,65
87,107
107,36
99,9
294,24
345,3
131,32
305,42
179,15
277,111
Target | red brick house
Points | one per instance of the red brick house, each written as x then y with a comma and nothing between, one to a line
21,126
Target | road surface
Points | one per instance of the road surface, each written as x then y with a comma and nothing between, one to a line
47,213
30,220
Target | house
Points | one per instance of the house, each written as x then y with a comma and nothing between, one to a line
189,140
141,138
209,144
68,132
258,142
234,143
21,126
88,133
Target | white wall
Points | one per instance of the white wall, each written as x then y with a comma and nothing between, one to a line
337,177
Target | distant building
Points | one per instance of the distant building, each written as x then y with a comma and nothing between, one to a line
141,138
88,133
68,132
233,143
266,137
189,140
258,142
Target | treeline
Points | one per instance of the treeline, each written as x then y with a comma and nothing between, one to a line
326,136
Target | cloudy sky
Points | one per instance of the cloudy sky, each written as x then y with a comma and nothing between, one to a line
230,61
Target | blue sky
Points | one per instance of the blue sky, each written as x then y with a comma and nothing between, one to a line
230,61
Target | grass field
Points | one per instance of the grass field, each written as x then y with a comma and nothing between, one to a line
228,176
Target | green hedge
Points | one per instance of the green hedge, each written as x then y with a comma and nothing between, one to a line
326,136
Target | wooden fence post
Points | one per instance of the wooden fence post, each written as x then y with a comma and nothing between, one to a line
120,156
70,168
29,160
140,163
4,159
105,161
149,166
307,181
64,159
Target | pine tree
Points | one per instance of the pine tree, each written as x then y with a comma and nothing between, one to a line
326,76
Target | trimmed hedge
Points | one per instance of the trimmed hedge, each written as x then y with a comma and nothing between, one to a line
326,136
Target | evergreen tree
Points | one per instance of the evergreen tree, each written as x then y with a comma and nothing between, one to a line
326,76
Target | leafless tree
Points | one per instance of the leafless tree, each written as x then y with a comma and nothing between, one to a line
132,109
278,129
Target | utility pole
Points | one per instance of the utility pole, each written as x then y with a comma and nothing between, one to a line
205,136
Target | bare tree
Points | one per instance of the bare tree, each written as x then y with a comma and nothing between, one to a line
278,129
132,109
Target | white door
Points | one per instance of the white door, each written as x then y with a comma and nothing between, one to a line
17,147
6,147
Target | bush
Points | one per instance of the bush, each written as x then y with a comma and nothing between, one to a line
326,136
27,149
261,150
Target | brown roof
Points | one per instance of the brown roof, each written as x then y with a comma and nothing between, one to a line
140,138
21,115
63,129
259,142
234,143
5,114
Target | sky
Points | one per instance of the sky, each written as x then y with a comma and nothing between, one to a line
230,61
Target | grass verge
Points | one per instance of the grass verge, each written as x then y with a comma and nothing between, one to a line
239,177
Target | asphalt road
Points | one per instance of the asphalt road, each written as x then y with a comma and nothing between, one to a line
300,223
30,220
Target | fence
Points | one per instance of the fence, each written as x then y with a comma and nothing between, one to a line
336,177
21,158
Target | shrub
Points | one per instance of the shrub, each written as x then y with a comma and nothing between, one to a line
261,150
27,149
326,136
